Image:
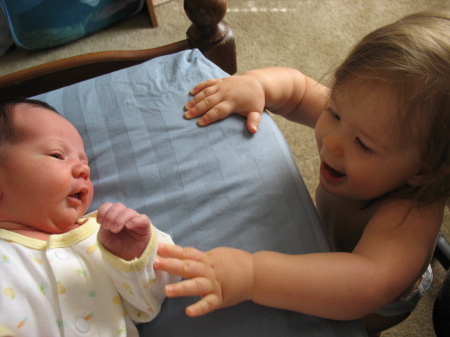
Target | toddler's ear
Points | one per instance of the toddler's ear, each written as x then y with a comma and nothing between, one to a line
420,177
424,174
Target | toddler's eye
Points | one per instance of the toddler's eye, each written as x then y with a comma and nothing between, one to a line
363,146
334,114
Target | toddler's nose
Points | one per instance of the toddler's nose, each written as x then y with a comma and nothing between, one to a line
333,144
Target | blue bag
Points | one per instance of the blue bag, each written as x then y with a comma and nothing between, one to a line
39,24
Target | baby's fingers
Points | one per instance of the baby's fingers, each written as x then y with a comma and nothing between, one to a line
107,216
114,217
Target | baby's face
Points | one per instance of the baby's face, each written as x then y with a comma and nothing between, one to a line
44,178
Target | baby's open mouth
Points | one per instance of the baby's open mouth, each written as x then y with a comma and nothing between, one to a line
78,195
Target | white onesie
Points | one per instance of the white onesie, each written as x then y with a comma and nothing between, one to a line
72,286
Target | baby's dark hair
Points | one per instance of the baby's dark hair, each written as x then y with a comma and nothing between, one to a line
411,59
8,133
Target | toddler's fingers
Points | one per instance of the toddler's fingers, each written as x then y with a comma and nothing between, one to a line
198,286
201,95
178,252
184,268
220,111
206,305
253,121
202,85
202,103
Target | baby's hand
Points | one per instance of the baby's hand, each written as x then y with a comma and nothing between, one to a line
216,99
124,232
222,276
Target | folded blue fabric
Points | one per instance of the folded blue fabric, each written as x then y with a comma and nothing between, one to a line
207,187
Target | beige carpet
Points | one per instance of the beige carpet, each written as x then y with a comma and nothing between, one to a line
309,35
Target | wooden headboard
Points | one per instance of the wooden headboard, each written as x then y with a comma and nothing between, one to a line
208,32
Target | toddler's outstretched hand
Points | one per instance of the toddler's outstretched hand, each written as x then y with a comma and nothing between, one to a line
124,232
216,99
222,276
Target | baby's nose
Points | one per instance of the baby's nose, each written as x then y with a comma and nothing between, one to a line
82,170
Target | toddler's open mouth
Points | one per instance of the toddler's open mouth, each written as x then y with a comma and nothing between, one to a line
330,173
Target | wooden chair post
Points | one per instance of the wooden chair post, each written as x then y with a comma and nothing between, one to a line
210,33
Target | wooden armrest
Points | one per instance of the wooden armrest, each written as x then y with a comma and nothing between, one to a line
57,74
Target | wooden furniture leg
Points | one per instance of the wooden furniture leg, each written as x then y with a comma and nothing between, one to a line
151,13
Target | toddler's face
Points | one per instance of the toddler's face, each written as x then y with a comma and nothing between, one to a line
364,151
45,178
